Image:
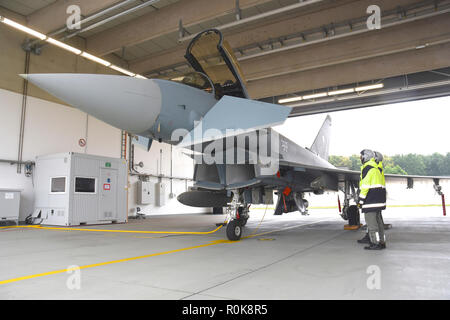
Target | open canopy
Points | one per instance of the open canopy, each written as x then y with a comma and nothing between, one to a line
208,53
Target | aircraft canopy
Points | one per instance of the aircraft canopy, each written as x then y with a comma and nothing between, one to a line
210,54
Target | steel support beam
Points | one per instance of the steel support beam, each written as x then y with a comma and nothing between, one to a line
296,22
164,21
415,60
412,93
374,43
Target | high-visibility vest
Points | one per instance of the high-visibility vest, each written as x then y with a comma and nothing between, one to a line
372,190
381,168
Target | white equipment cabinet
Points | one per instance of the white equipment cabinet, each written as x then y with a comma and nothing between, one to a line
146,191
75,189
9,204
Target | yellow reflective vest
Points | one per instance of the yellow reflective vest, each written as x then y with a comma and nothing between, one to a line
372,193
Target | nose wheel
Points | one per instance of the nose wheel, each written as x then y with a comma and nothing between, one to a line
234,230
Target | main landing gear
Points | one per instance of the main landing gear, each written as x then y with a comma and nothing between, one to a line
350,212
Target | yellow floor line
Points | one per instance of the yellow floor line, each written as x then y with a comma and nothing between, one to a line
212,243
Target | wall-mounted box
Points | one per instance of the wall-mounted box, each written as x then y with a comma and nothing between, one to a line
145,192
74,188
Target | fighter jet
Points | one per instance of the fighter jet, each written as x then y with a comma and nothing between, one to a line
239,159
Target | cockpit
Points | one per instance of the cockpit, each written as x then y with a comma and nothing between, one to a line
216,66
197,80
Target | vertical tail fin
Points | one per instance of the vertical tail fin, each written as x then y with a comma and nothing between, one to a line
321,144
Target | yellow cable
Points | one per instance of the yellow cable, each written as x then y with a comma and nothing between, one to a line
117,231
260,221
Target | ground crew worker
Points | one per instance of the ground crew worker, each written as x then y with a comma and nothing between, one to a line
379,160
372,199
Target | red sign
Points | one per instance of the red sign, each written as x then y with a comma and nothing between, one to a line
82,142
106,186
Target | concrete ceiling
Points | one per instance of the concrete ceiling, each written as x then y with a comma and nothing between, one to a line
25,7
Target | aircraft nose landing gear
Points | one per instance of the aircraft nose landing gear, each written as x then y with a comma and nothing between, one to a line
238,220
239,216
234,230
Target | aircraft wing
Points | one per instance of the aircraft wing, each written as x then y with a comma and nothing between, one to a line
233,116
344,174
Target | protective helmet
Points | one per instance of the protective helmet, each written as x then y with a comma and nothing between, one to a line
366,155
378,156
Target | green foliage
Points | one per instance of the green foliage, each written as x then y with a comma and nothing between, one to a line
352,162
395,170
413,164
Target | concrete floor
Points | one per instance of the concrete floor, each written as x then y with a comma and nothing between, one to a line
288,257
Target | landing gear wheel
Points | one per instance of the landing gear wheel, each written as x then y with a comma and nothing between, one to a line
243,222
353,215
234,230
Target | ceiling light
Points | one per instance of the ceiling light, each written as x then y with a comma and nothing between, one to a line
370,87
128,73
95,59
20,27
64,46
343,91
316,95
67,47
140,77
286,100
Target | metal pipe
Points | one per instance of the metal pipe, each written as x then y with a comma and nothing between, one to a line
352,32
160,176
260,16
102,22
23,114
92,17
171,169
96,15
340,36
16,162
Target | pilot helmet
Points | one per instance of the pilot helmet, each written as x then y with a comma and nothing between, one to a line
366,155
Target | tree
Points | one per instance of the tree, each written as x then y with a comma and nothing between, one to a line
435,164
395,170
340,161
355,162
415,164
411,163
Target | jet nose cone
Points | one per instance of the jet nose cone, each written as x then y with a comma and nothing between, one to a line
124,102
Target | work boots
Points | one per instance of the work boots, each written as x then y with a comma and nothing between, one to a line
378,246
366,239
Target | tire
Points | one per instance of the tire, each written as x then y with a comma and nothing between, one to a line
234,230
243,222
353,215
